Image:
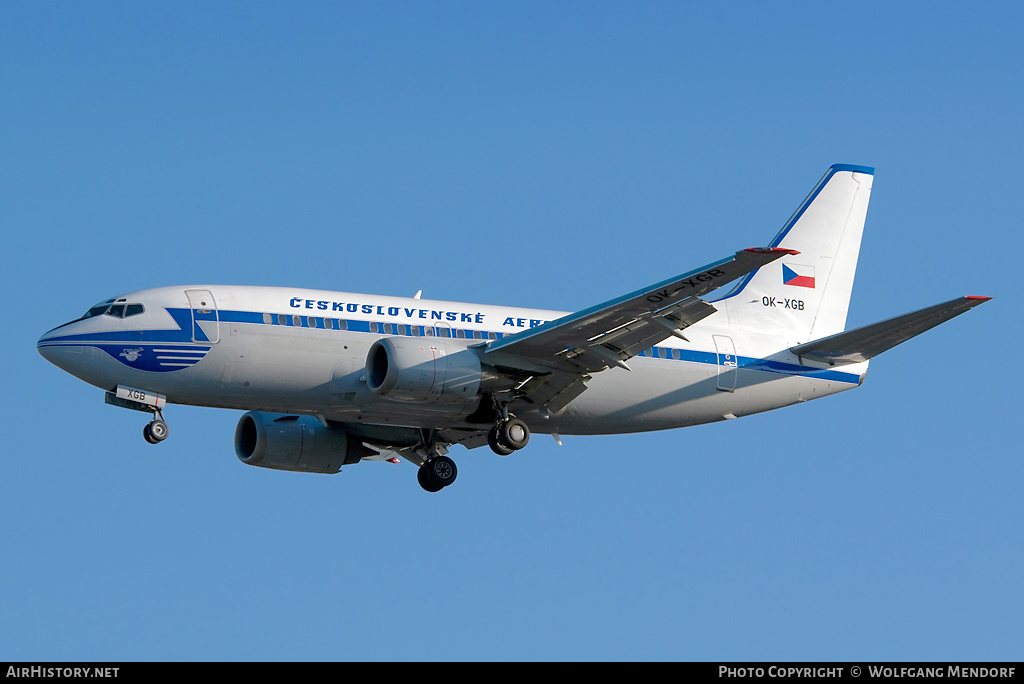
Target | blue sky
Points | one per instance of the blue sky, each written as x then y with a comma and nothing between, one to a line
550,155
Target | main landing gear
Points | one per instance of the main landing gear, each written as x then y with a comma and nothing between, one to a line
510,434
436,470
437,473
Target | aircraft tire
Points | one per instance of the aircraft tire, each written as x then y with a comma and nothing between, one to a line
493,440
425,477
514,434
158,431
147,434
443,470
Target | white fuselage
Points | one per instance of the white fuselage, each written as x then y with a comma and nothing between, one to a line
304,352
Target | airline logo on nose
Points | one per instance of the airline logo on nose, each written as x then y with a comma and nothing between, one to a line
131,355
800,276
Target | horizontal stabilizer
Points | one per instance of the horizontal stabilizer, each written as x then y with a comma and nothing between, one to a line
861,344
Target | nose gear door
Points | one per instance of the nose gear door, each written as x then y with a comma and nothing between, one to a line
205,320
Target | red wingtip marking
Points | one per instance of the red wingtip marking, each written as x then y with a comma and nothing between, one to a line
984,299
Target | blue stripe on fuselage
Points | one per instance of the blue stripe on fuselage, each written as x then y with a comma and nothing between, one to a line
120,344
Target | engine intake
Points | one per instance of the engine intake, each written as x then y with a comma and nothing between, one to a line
422,369
298,443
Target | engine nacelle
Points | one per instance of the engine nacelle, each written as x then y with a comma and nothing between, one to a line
300,443
422,369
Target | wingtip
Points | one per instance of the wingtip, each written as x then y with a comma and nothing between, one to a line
772,250
978,297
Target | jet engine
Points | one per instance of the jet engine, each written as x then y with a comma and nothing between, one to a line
423,369
299,443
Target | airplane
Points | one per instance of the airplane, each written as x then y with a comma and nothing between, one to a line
329,379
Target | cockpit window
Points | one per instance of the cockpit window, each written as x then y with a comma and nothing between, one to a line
115,308
98,310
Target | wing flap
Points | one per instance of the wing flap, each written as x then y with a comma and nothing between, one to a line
554,390
861,344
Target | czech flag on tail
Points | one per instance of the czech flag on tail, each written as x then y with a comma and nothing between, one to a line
801,276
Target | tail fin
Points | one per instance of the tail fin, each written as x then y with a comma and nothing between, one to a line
806,296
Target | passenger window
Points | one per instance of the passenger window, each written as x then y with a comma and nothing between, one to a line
428,331
415,330
388,328
373,326
401,328
492,336
342,324
328,323
267,318
297,321
282,319
311,321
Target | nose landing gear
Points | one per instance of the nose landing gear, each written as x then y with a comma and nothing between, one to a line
156,431
146,401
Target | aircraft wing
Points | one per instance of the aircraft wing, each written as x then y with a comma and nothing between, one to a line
562,352
861,344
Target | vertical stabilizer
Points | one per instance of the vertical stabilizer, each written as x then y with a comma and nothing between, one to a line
806,296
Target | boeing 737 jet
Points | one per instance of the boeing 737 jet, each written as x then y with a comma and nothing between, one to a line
329,379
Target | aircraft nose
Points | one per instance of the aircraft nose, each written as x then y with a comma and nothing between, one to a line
46,349
62,355
68,349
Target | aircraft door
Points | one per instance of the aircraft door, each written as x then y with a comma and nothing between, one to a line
727,363
205,319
